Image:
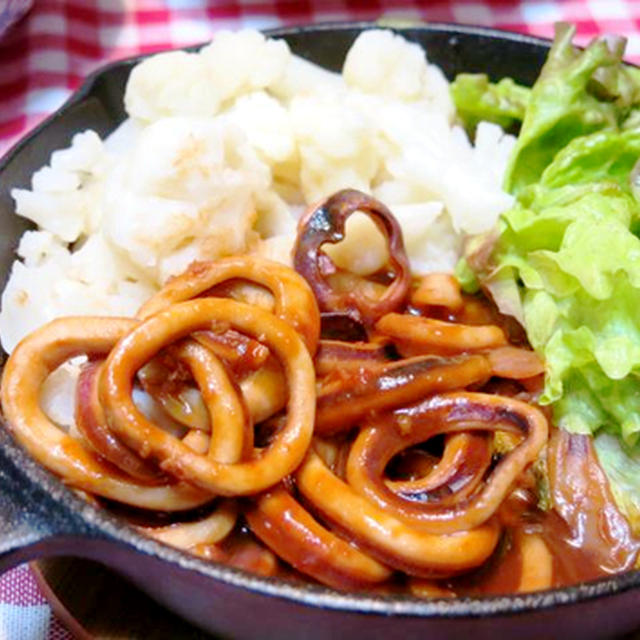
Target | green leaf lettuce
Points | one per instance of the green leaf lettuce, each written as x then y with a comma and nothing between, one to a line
565,260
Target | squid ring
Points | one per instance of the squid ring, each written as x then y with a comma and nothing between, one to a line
288,446
294,300
92,426
326,223
388,538
285,526
464,461
389,434
24,373
231,433
231,439
208,530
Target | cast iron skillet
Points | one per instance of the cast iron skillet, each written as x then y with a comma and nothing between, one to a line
39,516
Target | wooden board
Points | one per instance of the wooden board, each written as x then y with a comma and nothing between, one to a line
95,603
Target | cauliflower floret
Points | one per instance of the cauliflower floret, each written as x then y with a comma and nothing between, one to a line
53,282
437,93
364,248
36,247
427,160
123,137
175,83
244,61
185,192
277,248
443,250
476,207
385,64
304,78
275,216
266,124
335,145
98,263
85,155
428,248
63,195
382,62
492,149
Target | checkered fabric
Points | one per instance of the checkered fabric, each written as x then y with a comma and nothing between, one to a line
46,55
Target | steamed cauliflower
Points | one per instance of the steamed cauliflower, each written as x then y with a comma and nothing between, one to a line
383,63
185,192
303,78
267,125
244,61
53,281
335,145
224,150
175,83
63,195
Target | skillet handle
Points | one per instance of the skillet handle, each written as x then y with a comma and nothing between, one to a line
34,521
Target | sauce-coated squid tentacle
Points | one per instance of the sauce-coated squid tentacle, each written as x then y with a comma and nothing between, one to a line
263,390
289,445
344,402
465,460
294,300
217,401
92,424
415,335
231,428
386,537
24,373
292,532
390,434
239,353
241,552
335,355
326,224
231,440
339,325
197,441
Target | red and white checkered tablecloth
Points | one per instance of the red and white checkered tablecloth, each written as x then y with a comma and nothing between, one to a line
46,55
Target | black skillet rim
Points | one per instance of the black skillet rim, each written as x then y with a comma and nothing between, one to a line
308,594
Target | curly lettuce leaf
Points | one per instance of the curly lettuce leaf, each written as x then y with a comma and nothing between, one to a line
577,93
565,259
571,272
566,263
477,99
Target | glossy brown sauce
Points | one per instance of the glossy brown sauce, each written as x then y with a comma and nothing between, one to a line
501,575
580,533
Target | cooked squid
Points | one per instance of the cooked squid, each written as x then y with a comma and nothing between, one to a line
370,434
